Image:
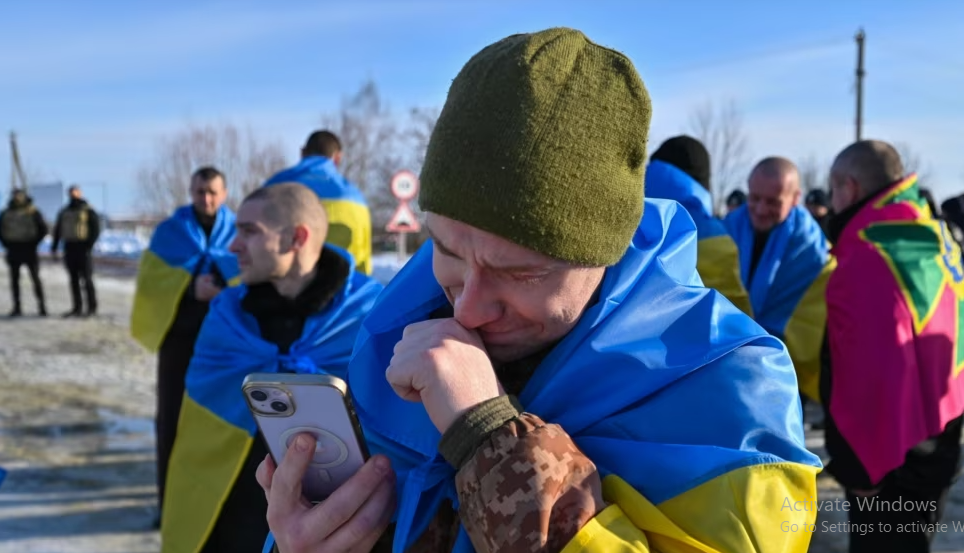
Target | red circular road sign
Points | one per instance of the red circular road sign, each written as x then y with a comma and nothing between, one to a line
405,185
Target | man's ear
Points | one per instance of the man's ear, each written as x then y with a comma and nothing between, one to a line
299,237
337,159
855,189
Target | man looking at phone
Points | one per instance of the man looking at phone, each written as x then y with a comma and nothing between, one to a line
184,268
548,372
299,310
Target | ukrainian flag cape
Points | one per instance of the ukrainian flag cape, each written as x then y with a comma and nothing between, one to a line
892,391
178,251
662,383
349,219
788,287
216,430
717,259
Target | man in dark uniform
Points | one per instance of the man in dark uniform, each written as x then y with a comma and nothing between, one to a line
22,228
78,226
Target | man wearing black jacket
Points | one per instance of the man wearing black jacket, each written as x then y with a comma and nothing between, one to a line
22,228
300,298
78,226
208,194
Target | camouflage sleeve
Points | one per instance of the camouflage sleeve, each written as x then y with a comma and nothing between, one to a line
527,488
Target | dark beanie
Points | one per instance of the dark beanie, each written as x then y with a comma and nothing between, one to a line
736,198
817,197
542,141
688,155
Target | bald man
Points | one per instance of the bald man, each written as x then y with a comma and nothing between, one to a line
892,386
350,225
298,310
785,262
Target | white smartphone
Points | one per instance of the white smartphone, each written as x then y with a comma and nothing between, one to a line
286,405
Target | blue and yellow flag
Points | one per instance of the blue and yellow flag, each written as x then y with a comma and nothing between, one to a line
179,250
688,408
216,430
788,287
349,219
717,259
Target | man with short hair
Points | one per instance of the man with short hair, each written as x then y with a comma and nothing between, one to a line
78,227
548,372
680,170
22,228
299,310
785,263
349,219
185,267
893,391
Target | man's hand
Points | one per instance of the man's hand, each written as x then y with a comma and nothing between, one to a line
350,519
443,365
205,289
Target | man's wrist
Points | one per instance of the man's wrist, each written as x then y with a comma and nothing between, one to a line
473,427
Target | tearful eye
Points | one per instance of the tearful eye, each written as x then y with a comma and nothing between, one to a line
528,278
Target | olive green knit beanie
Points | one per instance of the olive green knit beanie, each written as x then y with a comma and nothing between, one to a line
542,141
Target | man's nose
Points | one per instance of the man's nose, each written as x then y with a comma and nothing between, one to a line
477,304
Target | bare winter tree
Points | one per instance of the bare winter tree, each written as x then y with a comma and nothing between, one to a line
813,174
720,128
914,163
420,131
377,144
370,139
246,162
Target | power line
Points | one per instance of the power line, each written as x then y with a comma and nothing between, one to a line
902,49
753,56
860,81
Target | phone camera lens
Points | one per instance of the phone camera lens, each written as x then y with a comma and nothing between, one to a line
258,395
279,406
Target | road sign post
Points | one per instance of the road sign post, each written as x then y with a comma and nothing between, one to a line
404,187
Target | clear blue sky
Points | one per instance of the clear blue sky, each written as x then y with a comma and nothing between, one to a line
90,86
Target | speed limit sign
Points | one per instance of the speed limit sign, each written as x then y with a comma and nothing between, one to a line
405,185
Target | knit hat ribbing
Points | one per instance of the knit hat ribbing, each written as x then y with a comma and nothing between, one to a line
542,141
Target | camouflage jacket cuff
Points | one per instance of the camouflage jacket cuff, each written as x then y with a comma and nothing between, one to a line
460,441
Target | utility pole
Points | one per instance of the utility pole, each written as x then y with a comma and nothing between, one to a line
16,170
860,81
